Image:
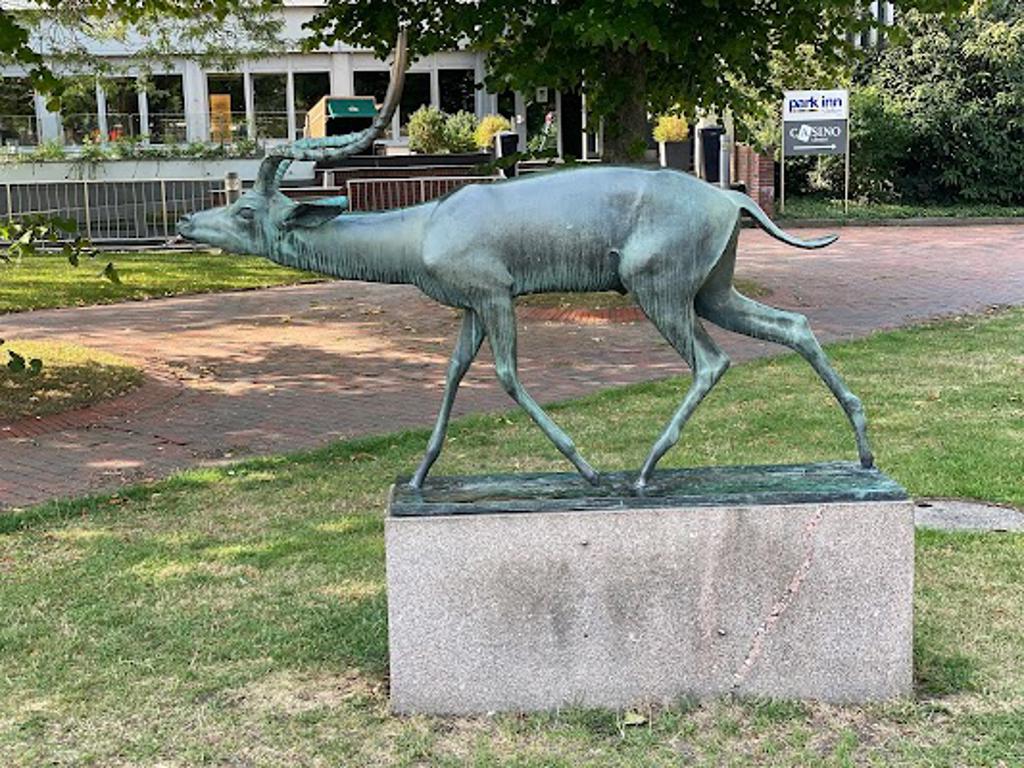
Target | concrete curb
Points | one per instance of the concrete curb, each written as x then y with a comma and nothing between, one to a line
920,221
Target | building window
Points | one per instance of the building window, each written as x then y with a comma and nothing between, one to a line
310,87
270,100
457,90
122,97
17,113
415,93
79,113
166,97
227,106
507,105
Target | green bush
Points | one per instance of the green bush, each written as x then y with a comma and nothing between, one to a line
459,132
433,132
959,86
938,114
426,131
881,146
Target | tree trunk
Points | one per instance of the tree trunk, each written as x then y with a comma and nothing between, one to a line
625,90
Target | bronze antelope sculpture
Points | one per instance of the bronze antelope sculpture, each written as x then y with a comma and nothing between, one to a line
666,237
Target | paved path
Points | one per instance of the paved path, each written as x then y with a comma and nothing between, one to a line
288,368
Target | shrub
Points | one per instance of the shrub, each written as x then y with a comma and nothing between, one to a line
881,150
460,132
490,127
427,130
671,128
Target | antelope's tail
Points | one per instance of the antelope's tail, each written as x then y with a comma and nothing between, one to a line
769,226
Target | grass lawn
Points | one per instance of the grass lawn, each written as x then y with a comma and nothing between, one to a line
47,280
237,616
71,377
819,207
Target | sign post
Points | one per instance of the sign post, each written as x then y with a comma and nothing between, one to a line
815,122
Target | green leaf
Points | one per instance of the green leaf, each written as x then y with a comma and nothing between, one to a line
110,272
633,718
17,363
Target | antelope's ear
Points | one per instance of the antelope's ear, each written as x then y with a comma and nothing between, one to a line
310,215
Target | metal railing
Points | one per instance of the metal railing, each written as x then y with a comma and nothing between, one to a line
381,194
147,210
111,211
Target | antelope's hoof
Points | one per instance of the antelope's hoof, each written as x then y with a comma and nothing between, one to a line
867,460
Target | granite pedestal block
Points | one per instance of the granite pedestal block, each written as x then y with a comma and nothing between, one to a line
782,582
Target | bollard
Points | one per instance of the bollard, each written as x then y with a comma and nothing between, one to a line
725,162
232,187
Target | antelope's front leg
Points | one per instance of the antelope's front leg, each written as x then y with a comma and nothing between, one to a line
500,322
471,334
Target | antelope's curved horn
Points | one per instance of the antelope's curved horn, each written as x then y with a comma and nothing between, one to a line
267,179
276,164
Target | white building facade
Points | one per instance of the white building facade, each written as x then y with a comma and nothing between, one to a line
267,98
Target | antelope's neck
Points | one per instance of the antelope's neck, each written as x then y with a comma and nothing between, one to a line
374,247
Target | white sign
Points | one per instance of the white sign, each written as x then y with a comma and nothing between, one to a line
815,105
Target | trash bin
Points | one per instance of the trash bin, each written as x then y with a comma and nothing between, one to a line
711,144
507,143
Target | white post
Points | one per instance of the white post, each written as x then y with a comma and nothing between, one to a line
101,113
289,95
435,84
143,100
558,122
250,105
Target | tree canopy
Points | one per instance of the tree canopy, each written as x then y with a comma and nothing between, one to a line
631,57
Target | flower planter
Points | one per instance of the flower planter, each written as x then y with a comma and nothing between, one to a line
676,154
128,170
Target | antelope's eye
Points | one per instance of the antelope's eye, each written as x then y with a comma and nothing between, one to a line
247,213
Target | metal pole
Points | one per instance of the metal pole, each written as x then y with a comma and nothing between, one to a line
846,184
782,172
163,205
88,216
10,204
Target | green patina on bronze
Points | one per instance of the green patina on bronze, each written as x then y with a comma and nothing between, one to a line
666,238
825,483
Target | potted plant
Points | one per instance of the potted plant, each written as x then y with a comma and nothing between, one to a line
675,149
489,127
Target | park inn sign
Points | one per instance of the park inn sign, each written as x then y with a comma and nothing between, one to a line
815,122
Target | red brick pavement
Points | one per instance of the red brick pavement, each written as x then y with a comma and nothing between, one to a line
282,369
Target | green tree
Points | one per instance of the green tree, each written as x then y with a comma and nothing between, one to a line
953,93
631,57
53,36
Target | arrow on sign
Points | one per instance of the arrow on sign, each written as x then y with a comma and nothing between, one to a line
814,146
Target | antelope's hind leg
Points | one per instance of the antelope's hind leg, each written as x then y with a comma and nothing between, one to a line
500,324
726,307
471,334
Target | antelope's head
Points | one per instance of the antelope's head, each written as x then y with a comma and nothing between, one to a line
260,219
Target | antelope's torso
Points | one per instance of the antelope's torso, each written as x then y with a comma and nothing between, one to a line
588,229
